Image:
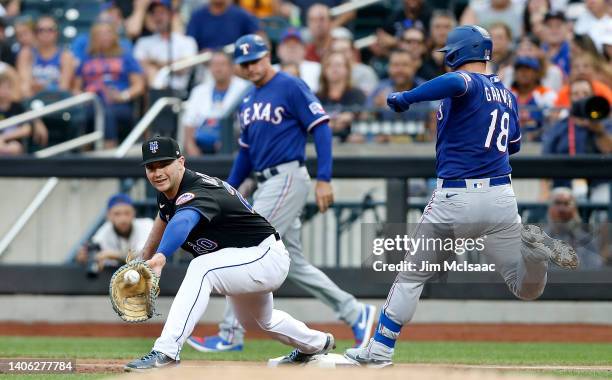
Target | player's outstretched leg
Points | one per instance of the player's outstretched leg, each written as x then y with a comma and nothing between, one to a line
256,311
542,245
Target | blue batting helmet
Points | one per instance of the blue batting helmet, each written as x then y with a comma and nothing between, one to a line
249,48
467,43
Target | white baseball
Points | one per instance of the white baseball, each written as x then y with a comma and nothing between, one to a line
131,277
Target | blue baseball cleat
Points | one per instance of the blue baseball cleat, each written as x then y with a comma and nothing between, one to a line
213,344
362,329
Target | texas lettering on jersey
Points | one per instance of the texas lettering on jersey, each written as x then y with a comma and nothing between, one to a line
262,112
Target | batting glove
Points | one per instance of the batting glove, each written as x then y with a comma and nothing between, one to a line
396,102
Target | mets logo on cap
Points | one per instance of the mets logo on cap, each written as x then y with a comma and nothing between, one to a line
153,146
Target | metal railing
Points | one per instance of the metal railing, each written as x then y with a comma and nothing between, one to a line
61,105
351,6
52,182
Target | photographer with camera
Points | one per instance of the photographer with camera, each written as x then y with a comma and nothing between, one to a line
587,130
120,233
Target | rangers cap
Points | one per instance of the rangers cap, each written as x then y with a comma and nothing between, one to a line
160,148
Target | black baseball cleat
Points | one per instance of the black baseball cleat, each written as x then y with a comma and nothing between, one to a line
152,360
296,357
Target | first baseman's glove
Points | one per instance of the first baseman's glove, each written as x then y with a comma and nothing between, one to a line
396,102
134,303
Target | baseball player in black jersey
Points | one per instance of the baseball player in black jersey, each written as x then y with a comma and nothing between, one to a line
236,252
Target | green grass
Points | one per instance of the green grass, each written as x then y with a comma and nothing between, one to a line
258,350
580,354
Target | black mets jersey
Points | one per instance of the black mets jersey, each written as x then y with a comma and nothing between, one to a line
228,220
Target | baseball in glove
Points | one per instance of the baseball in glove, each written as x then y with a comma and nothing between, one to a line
134,302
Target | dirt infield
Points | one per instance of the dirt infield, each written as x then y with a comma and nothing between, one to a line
416,332
254,371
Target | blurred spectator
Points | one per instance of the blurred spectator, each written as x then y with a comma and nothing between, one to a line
220,23
402,70
414,13
120,234
578,136
292,51
595,21
337,95
24,34
584,67
109,14
45,66
261,8
581,45
138,20
208,103
533,16
303,7
363,76
291,69
486,13
529,46
534,99
502,56
162,48
10,8
6,52
556,40
442,22
564,223
115,76
12,139
319,27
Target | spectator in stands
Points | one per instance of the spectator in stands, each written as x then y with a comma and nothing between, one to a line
45,66
208,103
402,70
502,56
10,8
138,21
573,135
220,23
319,27
556,40
533,16
584,67
486,13
6,52
565,224
261,8
339,97
596,21
115,76
303,7
534,100
24,34
162,48
442,22
120,234
111,14
13,140
529,46
363,76
291,69
292,51
414,13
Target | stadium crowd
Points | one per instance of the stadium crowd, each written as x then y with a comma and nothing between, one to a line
550,52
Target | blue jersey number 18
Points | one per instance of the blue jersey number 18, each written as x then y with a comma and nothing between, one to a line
502,137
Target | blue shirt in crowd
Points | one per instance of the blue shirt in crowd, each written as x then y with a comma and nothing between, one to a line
215,31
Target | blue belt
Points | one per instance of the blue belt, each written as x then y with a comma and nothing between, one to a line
460,183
